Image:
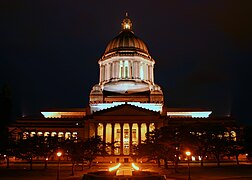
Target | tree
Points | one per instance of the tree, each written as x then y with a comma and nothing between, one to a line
5,119
218,144
46,146
247,140
93,147
75,151
27,148
7,147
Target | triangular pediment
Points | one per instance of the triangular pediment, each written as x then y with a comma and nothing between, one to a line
126,110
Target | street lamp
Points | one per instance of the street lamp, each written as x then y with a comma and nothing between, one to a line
188,153
58,169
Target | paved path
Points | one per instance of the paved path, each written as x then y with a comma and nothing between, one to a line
231,172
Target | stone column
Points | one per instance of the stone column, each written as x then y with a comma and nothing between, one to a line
145,71
130,140
95,125
100,73
152,73
113,70
139,133
117,69
110,71
121,139
148,130
113,137
104,132
130,69
138,70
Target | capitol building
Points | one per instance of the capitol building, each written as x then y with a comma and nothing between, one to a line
124,105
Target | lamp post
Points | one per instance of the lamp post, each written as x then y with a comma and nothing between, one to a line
58,169
188,153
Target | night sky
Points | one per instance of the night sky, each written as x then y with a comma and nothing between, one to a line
49,51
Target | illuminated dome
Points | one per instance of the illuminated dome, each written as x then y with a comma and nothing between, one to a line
126,74
126,42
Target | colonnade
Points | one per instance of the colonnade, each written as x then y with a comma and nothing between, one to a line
126,70
125,135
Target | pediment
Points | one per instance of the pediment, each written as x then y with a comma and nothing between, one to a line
126,110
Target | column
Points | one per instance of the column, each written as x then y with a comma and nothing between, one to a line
152,73
133,70
100,73
113,70
138,70
113,137
130,140
121,139
139,133
104,132
96,125
148,130
117,69
145,71
105,72
110,71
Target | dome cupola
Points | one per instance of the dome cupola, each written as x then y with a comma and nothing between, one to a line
126,42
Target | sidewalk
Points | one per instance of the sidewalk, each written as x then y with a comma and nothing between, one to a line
197,173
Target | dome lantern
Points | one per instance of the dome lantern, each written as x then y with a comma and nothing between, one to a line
126,23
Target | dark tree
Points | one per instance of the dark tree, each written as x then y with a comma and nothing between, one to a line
94,147
75,151
27,148
5,119
46,146
248,141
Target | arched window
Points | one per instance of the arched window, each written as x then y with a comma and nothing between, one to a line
151,127
100,130
134,134
126,138
108,133
117,132
143,131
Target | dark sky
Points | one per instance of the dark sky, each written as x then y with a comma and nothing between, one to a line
49,51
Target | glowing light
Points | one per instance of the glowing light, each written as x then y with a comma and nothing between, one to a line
59,154
46,159
150,106
193,158
199,158
202,114
63,114
115,167
188,153
135,167
127,26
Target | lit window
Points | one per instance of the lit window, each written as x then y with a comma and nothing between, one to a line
67,135
233,135
53,134
143,131
226,134
46,134
61,134
75,135
32,134
100,130
108,133
152,127
40,134
25,135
